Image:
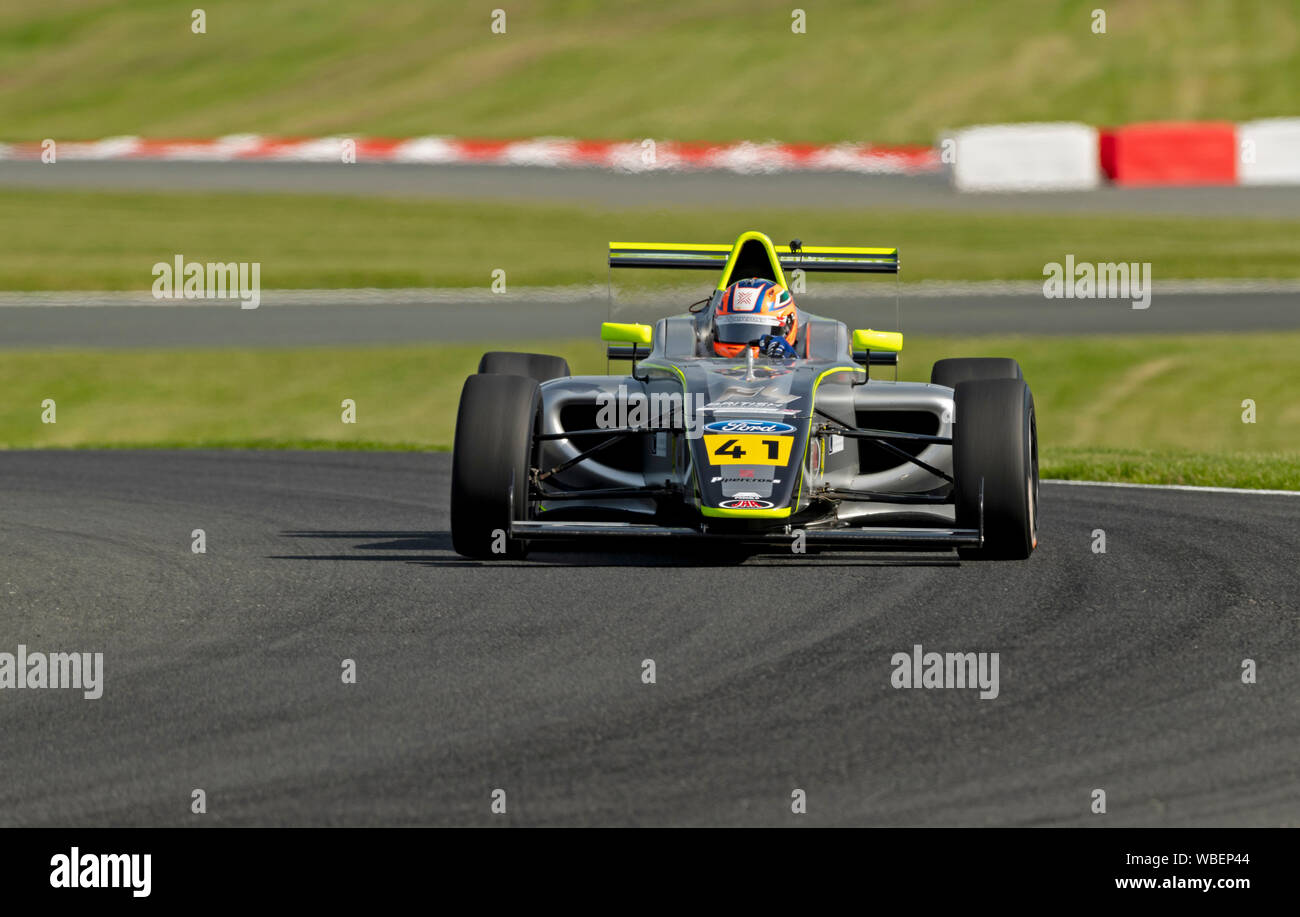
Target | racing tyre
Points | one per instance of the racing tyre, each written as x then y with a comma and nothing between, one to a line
963,369
995,438
490,462
537,366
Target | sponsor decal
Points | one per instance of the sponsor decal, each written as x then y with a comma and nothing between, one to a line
744,319
743,372
769,395
746,504
764,407
749,426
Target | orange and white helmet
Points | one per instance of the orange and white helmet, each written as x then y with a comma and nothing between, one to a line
750,309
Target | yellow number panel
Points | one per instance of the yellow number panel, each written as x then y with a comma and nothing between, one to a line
747,448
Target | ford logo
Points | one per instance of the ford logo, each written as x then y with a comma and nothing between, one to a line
749,426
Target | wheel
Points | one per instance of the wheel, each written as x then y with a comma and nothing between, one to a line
963,369
995,439
537,366
490,462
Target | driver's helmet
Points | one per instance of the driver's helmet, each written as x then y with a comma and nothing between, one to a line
750,309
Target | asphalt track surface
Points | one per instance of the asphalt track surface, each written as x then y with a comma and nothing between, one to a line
596,187
1118,671
518,319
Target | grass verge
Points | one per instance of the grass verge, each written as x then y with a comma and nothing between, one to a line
887,72
111,240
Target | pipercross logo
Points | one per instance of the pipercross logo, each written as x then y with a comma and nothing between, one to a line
103,870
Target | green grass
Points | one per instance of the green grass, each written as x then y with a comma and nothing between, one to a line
1155,409
110,241
689,69
1268,470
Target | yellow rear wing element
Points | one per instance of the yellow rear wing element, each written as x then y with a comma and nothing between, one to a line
754,255
866,339
619,333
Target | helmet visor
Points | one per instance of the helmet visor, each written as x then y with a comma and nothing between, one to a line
741,329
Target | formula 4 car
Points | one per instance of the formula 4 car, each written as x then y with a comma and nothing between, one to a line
719,432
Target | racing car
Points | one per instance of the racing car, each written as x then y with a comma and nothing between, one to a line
748,420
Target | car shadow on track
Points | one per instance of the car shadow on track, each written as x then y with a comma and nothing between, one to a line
382,546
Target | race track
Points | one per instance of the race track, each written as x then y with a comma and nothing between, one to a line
391,320
1119,671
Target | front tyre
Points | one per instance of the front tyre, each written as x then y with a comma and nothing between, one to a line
995,439
490,463
540,366
952,370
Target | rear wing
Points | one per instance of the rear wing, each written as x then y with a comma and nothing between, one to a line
754,255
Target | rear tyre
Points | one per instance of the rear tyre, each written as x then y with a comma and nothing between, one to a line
995,439
539,366
965,369
490,462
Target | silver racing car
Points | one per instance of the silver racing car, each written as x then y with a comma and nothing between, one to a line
748,420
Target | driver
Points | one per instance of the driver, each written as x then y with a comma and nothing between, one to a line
755,312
